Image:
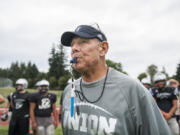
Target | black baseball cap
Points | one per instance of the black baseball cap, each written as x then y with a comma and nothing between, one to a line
83,31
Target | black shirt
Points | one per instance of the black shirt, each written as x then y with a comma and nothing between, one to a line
21,104
164,98
43,103
9,100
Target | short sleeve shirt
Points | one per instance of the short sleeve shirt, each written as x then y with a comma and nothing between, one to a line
164,98
43,103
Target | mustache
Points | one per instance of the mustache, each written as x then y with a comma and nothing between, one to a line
76,55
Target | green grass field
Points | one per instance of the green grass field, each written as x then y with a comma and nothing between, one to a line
4,130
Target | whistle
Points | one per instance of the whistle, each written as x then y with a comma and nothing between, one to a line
74,60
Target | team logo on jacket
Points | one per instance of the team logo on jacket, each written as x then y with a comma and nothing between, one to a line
163,95
92,119
19,103
45,103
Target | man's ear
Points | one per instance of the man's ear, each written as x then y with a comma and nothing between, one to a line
103,48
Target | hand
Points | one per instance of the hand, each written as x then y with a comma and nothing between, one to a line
34,125
167,116
55,124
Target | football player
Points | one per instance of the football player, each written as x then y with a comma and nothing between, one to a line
42,105
19,123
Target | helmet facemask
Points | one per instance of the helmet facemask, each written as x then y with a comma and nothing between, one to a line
21,84
44,89
19,87
161,84
44,86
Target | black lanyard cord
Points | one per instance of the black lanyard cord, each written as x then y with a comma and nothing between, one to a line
101,92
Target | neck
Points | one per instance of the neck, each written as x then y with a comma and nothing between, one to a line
43,93
95,74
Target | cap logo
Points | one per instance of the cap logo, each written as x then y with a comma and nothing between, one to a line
100,36
78,28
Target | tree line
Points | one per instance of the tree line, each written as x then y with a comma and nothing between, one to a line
153,69
58,73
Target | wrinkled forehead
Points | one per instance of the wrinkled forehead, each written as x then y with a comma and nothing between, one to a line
79,39
172,83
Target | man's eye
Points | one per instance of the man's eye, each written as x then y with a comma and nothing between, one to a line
83,41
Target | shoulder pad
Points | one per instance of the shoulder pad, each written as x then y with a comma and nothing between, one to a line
170,88
155,89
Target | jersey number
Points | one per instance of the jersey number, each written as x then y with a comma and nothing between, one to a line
45,103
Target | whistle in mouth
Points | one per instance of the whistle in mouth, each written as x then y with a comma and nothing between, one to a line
74,60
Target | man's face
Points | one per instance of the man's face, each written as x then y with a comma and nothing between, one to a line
87,52
146,85
19,87
161,84
173,84
44,87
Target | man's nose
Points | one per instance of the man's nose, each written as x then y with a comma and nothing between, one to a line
75,47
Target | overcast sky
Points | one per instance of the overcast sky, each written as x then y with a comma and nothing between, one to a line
140,32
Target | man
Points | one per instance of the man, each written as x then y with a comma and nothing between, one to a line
9,111
42,105
19,123
175,84
107,102
37,86
147,84
166,100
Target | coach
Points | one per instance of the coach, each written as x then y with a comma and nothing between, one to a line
107,102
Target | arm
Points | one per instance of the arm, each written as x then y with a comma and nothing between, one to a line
162,112
174,106
32,107
147,116
55,115
1,99
7,106
11,103
172,111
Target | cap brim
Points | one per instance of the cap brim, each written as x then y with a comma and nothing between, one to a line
67,37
